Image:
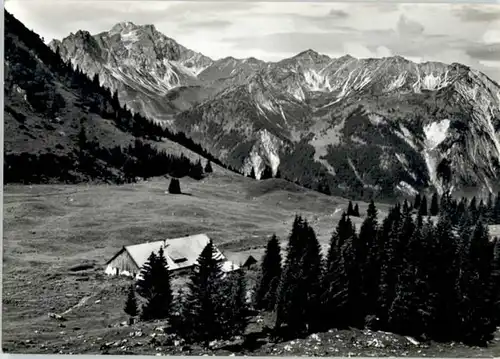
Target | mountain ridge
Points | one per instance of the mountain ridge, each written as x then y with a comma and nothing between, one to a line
232,105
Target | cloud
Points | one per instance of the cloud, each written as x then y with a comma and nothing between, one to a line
271,31
407,27
338,14
479,14
206,24
488,53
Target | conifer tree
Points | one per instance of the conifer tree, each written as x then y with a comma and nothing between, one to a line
442,279
334,300
278,173
155,287
265,296
406,206
291,301
202,317
350,209
234,309
390,263
371,212
490,209
267,173
422,209
312,276
131,303
369,260
174,187
496,278
417,201
496,210
473,209
252,173
356,211
208,167
146,281
408,312
434,210
476,307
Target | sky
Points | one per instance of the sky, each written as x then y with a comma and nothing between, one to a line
467,33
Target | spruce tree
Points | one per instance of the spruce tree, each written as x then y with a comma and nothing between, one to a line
476,306
234,309
174,187
434,210
369,260
371,212
312,276
335,293
267,173
265,296
196,171
473,209
390,263
202,317
291,301
356,211
157,290
146,281
350,209
442,280
208,167
417,201
422,209
131,303
408,313
496,210
496,278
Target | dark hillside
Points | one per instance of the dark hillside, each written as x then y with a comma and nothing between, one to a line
62,126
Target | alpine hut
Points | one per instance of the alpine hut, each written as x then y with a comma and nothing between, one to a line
181,255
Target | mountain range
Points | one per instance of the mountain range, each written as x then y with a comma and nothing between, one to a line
358,127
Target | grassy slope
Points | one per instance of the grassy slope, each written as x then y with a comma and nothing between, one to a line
50,228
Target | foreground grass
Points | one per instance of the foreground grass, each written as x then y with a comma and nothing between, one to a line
49,229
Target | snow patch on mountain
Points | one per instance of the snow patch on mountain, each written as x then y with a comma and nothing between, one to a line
298,93
431,82
406,188
264,152
431,163
406,135
398,82
402,159
316,81
351,164
376,119
130,37
435,133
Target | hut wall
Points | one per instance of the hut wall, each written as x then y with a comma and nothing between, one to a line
123,264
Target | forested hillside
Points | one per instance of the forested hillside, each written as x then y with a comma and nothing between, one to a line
62,126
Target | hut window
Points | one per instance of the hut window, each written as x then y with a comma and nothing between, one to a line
180,260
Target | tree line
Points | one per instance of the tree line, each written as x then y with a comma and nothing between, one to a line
116,165
35,68
406,275
459,209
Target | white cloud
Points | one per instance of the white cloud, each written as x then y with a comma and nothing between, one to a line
463,33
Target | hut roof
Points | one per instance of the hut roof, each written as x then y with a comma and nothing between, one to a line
179,252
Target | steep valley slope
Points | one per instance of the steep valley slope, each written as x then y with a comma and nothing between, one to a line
49,107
